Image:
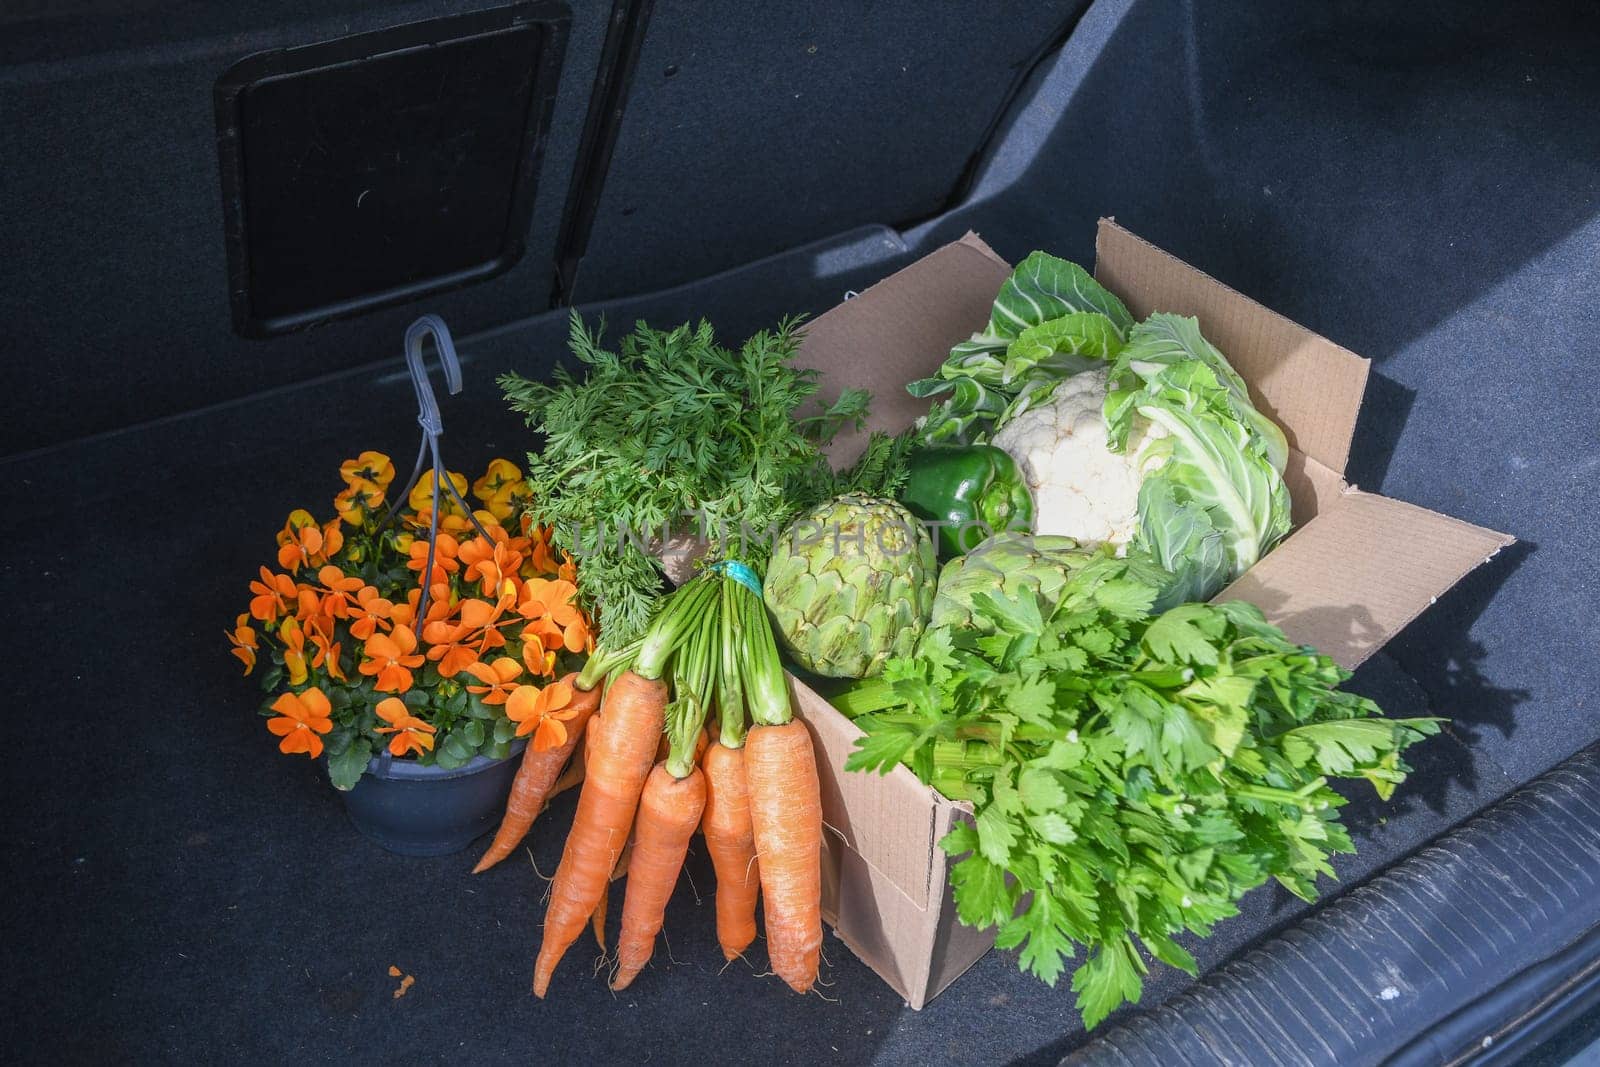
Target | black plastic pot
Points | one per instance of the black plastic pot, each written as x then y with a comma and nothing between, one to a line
415,810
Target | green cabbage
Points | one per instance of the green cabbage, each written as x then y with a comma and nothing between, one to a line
1216,503
1164,341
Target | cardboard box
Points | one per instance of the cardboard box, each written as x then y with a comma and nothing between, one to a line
1356,569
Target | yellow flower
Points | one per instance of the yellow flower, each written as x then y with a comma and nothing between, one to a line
352,505
421,498
499,488
369,470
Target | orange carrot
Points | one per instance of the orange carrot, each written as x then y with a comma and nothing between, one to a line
598,920
669,811
573,775
786,817
618,871
620,749
731,842
536,775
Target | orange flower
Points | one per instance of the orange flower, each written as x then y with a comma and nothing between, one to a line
445,551
332,542
490,565
298,519
411,734
243,639
542,713
273,595
544,559
535,657
498,679
338,591
294,650
370,472
456,646
390,657
302,716
308,601
439,606
303,545
368,611
551,613
327,658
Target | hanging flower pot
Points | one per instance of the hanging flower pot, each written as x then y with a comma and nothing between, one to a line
420,809
415,641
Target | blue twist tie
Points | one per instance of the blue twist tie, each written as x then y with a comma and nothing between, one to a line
741,573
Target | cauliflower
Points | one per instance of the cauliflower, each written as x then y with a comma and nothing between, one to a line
1081,488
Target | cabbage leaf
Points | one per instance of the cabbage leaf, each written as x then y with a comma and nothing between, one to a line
1049,321
1213,500
1165,340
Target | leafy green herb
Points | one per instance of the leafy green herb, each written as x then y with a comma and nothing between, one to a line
1132,776
675,434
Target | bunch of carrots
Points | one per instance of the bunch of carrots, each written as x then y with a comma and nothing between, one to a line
689,728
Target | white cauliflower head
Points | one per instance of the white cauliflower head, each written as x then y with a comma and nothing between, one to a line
1081,488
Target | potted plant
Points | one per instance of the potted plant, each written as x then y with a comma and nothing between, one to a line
416,692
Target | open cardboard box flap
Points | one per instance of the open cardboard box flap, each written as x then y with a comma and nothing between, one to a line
1354,571
1358,567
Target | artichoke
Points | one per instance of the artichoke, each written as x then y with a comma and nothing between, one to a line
1005,566
850,585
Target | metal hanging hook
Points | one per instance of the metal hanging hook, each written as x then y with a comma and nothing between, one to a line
432,429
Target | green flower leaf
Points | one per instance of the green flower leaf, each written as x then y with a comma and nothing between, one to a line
346,767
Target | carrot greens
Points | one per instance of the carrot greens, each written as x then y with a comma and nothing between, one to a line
676,433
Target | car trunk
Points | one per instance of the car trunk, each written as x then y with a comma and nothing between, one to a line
1417,185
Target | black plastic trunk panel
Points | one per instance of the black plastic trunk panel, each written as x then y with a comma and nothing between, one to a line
383,167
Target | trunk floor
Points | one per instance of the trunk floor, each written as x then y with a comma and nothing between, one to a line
180,890
201,896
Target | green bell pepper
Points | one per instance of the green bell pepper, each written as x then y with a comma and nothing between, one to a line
972,491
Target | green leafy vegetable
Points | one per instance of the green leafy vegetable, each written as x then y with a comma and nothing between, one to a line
675,434
1132,775
1049,321
1163,341
1187,468
1213,501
